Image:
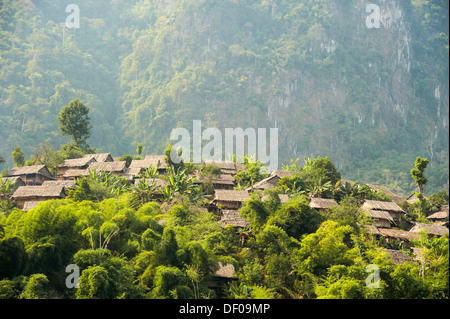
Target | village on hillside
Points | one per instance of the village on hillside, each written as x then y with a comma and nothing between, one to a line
35,184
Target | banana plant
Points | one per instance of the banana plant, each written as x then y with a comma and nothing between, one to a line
180,183
6,189
144,190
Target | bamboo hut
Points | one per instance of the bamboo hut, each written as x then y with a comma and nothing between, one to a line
381,218
322,204
77,163
32,175
116,168
233,218
101,158
230,199
392,208
440,216
37,194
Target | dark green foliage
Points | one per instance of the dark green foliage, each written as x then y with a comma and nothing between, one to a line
127,158
74,122
296,218
19,159
12,257
418,173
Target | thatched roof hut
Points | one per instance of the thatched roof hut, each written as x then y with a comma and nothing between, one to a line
283,198
37,193
230,199
65,183
117,168
131,172
224,181
440,215
270,182
27,206
382,218
232,217
398,256
16,180
72,174
379,205
390,234
226,167
225,195
392,208
322,204
32,175
282,173
431,229
76,163
56,191
158,161
101,158
225,271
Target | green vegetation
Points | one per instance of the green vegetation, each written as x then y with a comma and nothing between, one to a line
128,244
370,100
365,101
74,122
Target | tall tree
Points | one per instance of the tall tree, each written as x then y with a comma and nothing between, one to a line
18,158
418,173
74,122
140,148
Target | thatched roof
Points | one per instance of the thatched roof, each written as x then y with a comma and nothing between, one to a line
158,161
395,233
159,182
282,173
83,162
322,203
441,214
371,229
270,182
39,191
380,214
231,195
66,184
71,173
29,170
14,179
101,158
227,167
27,206
225,271
431,229
379,205
283,198
224,179
132,171
232,217
398,256
118,167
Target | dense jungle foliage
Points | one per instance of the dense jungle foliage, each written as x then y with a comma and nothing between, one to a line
127,243
369,99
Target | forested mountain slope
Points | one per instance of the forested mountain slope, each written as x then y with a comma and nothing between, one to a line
371,99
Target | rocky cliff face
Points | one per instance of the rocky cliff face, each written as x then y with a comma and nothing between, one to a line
364,83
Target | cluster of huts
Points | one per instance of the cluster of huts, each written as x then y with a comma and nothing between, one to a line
35,184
